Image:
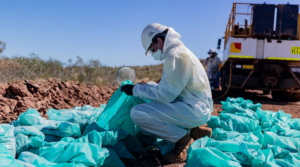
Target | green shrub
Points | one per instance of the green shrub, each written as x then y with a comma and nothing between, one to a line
89,73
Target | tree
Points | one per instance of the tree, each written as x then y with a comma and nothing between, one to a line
2,46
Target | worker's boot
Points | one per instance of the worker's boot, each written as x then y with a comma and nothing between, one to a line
178,154
199,132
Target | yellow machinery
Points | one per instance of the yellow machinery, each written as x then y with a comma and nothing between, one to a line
263,52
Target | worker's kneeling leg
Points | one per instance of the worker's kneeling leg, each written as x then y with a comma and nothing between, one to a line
153,125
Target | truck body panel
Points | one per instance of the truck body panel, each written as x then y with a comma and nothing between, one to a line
262,49
261,56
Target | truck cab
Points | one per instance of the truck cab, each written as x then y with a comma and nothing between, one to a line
263,53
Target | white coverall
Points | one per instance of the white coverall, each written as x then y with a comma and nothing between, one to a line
212,67
182,100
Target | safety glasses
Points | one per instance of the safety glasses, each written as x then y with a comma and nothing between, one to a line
151,49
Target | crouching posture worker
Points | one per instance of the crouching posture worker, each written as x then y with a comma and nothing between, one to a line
182,100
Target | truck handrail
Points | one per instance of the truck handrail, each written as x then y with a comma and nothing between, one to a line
231,23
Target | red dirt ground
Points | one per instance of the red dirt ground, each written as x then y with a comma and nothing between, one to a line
16,98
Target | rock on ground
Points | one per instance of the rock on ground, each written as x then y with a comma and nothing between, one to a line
16,98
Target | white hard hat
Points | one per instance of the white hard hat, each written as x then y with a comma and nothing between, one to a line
149,32
211,51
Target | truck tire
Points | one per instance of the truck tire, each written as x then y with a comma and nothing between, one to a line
282,95
287,83
224,78
296,97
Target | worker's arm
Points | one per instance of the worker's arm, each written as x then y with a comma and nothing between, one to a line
177,72
206,61
218,61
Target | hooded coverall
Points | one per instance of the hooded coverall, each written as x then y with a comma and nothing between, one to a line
182,100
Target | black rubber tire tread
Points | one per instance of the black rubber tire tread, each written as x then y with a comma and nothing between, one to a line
237,80
282,95
224,78
296,96
287,83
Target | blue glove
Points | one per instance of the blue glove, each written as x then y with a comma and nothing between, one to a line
127,89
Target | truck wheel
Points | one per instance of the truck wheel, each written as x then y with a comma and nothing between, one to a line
282,95
296,96
224,78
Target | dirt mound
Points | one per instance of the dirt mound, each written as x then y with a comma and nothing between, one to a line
17,97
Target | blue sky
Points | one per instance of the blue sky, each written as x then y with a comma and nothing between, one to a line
109,30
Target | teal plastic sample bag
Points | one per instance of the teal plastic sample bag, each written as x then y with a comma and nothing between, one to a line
118,140
117,133
208,157
237,138
279,122
27,137
108,140
241,152
29,158
74,152
236,109
281,130
116,114
221,135
79,153
122,151
241,107
264,158
7,160
164,146
7,138
287,143
113,159
81,115
231,122
235,100
105,138
269,119
55,128
225,146
284,157
86,112
294,123
214,122
35,160
246,104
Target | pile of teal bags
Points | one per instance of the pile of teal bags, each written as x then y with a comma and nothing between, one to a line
82,136
245,135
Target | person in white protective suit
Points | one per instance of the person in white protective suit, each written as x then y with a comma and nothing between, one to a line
212,63
182,100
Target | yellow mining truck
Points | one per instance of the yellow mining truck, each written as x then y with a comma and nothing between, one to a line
262,53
